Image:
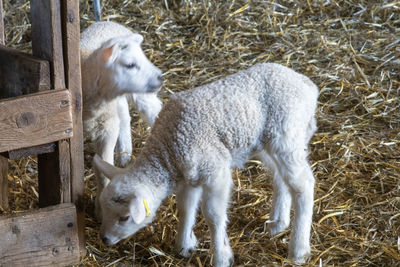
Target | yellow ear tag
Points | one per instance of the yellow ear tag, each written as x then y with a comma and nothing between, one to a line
146,207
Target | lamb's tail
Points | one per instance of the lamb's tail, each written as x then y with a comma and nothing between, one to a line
97,10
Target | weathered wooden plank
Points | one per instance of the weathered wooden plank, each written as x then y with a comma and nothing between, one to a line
29,151
47,37
3,184
47,44
35,119
21,73
71,38
2,39
3,160
45,237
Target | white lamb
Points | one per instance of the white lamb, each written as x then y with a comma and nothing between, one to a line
265,111
115,68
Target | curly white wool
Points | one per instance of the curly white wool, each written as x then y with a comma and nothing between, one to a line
266,111
115,70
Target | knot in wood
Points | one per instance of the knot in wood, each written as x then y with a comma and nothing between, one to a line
55,251
15,230
25,119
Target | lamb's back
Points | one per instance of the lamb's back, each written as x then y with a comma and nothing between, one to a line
235,115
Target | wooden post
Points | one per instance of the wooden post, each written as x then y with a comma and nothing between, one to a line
54,168
2,40
71,39
3,160
3,183
47,37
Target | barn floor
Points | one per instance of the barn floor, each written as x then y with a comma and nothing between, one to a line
350,49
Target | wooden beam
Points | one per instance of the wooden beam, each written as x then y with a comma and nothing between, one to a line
47,37
2,38
45,237
35,119
47,44
21,73
3,184
29,151
71,38
3,160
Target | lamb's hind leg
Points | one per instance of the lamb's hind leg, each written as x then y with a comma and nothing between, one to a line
281,202
297,174
214,206
281,198
187,201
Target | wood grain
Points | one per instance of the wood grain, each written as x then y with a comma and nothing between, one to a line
46,237
2,39
47,37
21,73
35,119
4,183
28,151
71,39
47,43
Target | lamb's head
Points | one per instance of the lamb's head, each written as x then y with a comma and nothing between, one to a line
126,67
126,204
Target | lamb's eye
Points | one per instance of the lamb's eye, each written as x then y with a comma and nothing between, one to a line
131,66
123,218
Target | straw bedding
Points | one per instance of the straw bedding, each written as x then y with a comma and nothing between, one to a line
350,49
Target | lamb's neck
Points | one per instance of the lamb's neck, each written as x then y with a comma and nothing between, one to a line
97,92
157,172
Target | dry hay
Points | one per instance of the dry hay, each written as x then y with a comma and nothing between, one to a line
350,49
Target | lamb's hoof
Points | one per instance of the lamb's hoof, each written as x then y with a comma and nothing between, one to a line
301,255
223,258
123,159
185,246
187,250
276,227
225,262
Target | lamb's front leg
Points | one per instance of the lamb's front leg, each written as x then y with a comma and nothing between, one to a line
105,145
187,201
124,142
215,204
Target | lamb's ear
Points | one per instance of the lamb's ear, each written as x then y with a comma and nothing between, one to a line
106,168
110,54
137,210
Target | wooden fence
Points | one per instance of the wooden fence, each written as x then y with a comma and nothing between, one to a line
41,114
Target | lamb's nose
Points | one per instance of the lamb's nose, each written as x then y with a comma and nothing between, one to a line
154,84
